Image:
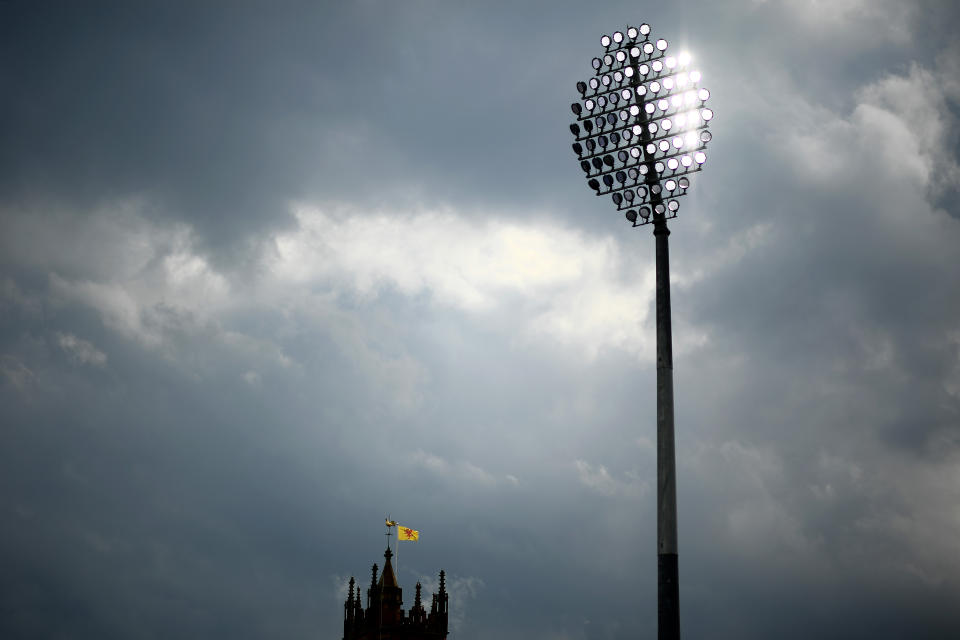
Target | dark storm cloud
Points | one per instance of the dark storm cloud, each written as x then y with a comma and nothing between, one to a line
445,328
220,117
191,107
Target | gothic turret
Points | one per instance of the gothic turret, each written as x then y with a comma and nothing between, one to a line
384,617
391,595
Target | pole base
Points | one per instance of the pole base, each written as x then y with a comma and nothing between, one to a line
668,597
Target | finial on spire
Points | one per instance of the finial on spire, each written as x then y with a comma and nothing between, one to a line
416,599
350,597
373,578
443,588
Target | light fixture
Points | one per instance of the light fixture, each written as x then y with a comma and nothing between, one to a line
640,131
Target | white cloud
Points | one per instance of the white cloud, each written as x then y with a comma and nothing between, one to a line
757,515
145,273
463,264
900,132
461,589
81,351
460,470
564,285
118,308
341,588
597,478
862,23
913,529
737,247
538,281
17,373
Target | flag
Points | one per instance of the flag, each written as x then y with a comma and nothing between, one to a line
406,533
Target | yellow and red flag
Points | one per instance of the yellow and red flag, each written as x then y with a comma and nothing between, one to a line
406,533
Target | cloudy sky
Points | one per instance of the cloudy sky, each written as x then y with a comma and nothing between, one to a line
272,271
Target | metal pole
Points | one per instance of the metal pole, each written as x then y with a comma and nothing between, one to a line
668,591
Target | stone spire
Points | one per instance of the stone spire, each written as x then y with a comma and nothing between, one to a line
417,613
390,593
442,597
372,593
388,578
350,611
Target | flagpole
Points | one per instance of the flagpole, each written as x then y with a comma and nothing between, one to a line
391,523
380,594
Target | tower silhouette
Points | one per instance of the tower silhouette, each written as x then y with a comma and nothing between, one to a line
384,617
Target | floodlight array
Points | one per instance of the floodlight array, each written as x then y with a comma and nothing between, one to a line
642,125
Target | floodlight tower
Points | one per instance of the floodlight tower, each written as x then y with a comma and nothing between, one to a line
641,129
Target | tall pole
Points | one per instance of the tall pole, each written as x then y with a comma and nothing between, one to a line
644,129
668,592
668,585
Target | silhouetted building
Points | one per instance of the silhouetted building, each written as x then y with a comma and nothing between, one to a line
384,617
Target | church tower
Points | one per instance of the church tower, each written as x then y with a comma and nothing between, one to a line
383,618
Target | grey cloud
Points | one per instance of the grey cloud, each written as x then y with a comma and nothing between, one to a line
247,428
